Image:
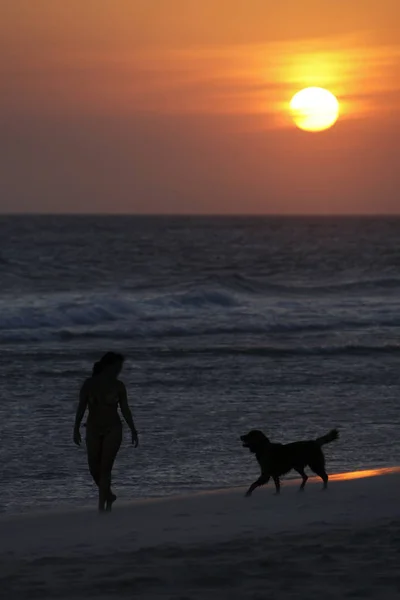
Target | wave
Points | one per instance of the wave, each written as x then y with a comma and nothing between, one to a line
256,285
164,330
272,352
276,351
97,315
61,310
181,314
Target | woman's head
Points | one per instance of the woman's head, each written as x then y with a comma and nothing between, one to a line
111,363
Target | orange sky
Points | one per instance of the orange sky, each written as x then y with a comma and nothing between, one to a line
181,106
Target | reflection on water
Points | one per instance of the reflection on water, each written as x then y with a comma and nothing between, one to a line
365,473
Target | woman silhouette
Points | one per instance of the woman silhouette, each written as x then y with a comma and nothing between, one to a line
102,394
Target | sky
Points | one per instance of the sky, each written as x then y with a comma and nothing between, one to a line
182,106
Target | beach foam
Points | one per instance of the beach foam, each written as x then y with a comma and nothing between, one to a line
343,543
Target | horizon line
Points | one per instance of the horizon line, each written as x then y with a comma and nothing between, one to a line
203,215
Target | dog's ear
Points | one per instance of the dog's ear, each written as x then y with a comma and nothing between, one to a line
257,435
257,439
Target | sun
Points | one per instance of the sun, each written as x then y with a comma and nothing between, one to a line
314,109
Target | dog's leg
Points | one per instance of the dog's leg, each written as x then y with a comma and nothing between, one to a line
304,477
277,485
320,471
262,480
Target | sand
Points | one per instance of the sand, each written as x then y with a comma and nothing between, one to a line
343,543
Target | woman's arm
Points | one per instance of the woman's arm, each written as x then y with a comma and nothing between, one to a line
126,412
80,411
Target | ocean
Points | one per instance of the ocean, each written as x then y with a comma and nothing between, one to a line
289,325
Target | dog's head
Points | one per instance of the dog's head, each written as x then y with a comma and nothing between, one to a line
255,440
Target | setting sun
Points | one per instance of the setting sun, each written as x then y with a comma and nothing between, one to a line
314,109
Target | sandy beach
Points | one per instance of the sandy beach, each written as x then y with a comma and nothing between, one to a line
344,543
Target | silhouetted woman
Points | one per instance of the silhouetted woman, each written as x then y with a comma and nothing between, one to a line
102,394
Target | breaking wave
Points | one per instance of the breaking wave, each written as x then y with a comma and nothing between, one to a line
183,314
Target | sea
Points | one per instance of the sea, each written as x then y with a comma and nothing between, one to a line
290,325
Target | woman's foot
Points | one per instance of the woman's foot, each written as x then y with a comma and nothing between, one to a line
110,501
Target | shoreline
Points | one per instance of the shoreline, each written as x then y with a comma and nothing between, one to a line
124,503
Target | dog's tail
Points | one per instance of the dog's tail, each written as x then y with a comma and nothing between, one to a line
328,438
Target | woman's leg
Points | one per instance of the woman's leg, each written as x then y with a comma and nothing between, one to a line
93,448
111,444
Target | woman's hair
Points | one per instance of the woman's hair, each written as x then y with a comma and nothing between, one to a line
97,368
107,360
